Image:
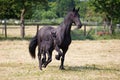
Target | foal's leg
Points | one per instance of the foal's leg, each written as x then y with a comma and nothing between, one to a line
39,58
63,58
44,58
59,53
49,58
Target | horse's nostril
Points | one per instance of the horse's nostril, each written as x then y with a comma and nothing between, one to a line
80,25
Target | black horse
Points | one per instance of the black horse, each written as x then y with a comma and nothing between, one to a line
63,37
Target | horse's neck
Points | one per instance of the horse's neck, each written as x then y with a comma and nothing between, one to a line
64,31
65,27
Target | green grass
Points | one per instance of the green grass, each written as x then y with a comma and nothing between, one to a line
78,35
107,37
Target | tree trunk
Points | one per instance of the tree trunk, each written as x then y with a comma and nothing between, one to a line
22,25
111,27
5,27
85,29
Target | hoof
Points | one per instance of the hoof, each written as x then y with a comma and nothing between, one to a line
40,68
57,57
62,68
44,66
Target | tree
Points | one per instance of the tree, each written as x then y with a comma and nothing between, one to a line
47,12
63,6
110,8
19,9
7,9
83,5
24,7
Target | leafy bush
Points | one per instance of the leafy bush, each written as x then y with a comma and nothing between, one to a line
48,15
79,35
37,15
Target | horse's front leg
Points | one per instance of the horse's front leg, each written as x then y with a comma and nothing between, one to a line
59,53
39,59
63,58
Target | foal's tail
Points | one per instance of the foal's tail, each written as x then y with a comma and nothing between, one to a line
32,46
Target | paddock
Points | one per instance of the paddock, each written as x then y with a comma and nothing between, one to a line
85,60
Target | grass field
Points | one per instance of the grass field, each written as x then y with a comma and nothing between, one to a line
85,60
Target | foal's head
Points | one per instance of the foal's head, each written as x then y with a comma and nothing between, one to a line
53,33
75,17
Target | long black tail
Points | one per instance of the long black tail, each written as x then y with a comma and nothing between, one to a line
32,46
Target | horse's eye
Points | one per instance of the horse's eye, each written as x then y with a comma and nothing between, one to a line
75,15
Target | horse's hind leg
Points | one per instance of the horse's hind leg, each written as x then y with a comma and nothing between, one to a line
49,58
44,58
39,58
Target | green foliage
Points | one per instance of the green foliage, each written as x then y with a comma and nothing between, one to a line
107,37
37,15
110,8
63,6
83,5
78,35
7,9
48,15
50,9
12,8
55,9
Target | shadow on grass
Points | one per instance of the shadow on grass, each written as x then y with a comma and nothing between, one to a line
90,67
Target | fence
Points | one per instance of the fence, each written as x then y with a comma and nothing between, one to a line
5,29
99,28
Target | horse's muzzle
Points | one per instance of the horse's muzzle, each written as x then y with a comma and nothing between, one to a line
79,26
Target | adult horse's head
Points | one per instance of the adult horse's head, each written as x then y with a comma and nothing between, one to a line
75,17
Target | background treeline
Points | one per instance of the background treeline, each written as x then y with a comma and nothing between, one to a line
92,10
52,12
45,9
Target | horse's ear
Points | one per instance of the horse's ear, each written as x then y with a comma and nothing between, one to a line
78,9
74,9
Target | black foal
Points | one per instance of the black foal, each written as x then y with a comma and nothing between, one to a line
46,46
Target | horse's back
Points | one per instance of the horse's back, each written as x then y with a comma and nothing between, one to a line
45,33
45,38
